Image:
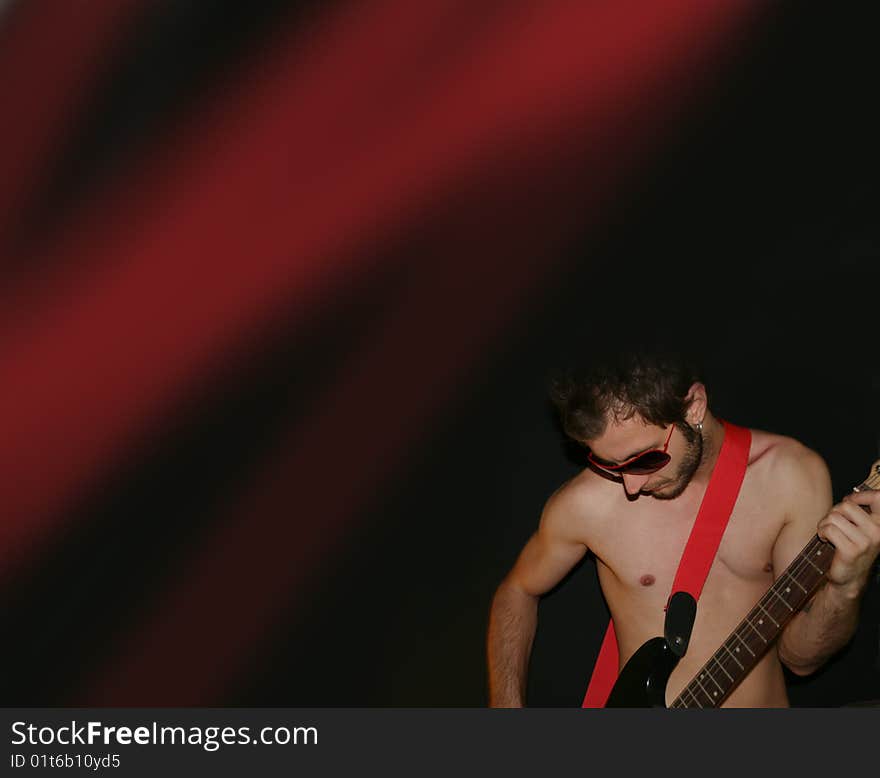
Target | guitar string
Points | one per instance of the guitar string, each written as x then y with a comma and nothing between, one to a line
793,572
791,575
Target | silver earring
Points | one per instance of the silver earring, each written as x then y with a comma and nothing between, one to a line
700,427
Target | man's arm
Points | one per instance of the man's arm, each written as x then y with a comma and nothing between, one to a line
829,621
544,561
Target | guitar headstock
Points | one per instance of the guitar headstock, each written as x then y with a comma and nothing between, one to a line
873,479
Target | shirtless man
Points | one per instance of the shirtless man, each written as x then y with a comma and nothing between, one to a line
637,526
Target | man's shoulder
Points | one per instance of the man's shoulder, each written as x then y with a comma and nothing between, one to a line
786,461
577,504
773,450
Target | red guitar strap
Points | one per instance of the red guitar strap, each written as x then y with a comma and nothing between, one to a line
699,552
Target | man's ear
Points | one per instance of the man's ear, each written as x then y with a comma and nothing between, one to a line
696,402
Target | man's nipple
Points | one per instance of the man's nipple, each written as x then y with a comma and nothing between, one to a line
647,580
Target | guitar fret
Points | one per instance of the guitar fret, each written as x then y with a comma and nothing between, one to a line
755,630
739,638
780,597
712,678
809,577
722,670
805,575
775,623
694,696
795,580
818,570
733,656
801,570
708,696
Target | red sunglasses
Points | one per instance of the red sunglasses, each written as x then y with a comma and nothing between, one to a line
641,464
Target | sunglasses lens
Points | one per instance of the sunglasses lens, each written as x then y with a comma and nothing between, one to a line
650,462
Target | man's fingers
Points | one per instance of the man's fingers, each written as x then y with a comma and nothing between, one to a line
854,512
842,533
869,498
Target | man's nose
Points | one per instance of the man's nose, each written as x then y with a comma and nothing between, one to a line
633,483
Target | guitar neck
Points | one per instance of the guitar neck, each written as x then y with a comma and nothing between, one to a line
755,634
716,679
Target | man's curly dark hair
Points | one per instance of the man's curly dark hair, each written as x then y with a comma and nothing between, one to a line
618,383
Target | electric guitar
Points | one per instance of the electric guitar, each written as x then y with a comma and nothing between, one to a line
642,682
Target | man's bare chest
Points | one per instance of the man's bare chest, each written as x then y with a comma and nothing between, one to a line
642,549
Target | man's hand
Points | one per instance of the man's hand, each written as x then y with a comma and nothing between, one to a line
855,534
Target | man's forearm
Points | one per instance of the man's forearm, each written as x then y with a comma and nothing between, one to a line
819,631
512,622
852,526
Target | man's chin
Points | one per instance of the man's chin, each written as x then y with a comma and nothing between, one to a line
667,491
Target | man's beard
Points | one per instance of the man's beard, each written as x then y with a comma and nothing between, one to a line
686,469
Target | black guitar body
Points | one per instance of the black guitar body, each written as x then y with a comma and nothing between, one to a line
642,682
